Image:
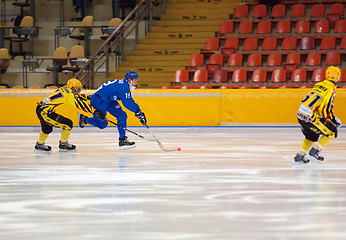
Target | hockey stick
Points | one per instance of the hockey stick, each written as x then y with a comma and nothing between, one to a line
160,144
138,135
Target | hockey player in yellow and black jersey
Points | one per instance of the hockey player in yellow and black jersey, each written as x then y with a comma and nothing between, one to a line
46,112
316,117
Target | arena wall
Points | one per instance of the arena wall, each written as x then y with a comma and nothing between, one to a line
171,107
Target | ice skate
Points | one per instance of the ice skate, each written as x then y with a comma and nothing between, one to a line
81,119
125,144
316,154
300,159
42,147
66,146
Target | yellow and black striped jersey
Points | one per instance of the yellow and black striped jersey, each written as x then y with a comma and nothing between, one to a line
64,95
318,103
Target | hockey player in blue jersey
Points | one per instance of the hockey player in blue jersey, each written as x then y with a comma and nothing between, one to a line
106,98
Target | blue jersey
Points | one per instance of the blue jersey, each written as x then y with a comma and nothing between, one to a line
116,90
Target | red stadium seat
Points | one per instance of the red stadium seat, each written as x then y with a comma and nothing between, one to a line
235,60
343,43
264,27
313,59
343,75
289,43
226,27
293,58
259,11
269,43
254,60
298,76
220,76
250,44
239,76
232,42
298,10
318,10
336,8
215,61
212,44
318,75
322,26
274,60
201,75
307,43
292,62
283,26
302,26
333,18
241,11
196,60
328,43
181,75
278,10
245,27
333,58
278,76
231,45
259,76
340,26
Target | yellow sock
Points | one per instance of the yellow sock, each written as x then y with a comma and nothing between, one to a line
64,135
43,137
324,140
306,145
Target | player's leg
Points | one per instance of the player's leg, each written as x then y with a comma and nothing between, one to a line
45,131
95,121
329,131
121,116
311,135
66,126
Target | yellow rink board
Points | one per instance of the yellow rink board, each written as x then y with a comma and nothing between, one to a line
209,107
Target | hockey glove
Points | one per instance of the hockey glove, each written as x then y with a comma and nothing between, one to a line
141,116
99,114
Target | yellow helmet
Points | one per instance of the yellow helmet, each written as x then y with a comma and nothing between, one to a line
74,83
333,73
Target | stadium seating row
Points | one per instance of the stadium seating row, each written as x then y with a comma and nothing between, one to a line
257,76
282,27
297,10
288,61
229,45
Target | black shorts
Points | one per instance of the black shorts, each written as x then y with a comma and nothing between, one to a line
51,119
312,131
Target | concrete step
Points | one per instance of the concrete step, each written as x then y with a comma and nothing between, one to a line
120,75
181,63
162,51
205,5
203,1
177,29
202,11
155,84
193,17
151,82
174,41
168,58
181,35
149,69
190,23
179,46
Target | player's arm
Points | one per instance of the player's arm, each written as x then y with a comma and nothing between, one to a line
80,103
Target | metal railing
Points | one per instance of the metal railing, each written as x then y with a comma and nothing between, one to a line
114,45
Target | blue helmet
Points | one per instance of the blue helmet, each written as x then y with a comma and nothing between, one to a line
131,75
